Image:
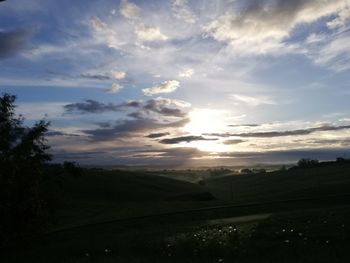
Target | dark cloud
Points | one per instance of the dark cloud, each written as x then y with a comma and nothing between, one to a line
343,141
59,133
157,135
272,134
11,42
287,155
92,106
161,106
127,128
236,141
189,138
95,76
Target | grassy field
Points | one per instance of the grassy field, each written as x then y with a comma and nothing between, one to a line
333,178
93,224
102,195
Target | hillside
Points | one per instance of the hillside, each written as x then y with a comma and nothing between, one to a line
103,195
326,178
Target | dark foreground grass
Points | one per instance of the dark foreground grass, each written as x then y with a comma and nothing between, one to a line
308,235
297,231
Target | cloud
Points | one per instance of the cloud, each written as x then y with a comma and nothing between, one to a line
186,73
271,134
315,38
104,34
92,106
165,87
182,11
235,141
189,138
149,34
166,107
126,128
119,75
157,135
259,27
245,125
95,76
341,19
161,106
11,42
115,88
129,10
335,54
253,101
53,133
286,156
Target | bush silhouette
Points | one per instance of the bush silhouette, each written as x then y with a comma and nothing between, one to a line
24,206
306,162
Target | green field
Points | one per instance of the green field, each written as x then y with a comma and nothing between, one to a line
123,216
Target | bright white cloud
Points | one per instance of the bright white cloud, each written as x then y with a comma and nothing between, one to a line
165,87
115,88
175,102
264,26
119,75
315,38
181,10
187,73
129,10
148,34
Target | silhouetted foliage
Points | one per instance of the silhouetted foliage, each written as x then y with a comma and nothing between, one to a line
259,171
24,205
246,171
219,171
306,162
72,168
342,160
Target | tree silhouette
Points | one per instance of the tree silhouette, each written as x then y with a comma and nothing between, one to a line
306,163
24,208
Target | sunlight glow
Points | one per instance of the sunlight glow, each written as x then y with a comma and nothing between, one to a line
207,121
204,121
209,146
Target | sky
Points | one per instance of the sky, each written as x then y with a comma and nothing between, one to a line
181,83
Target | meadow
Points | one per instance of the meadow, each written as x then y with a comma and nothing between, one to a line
296,215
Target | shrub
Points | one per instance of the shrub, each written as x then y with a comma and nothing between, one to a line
24,206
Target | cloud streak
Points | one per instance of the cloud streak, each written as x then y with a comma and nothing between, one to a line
165,87
187,139
92,106
11,42
272,134
157,135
